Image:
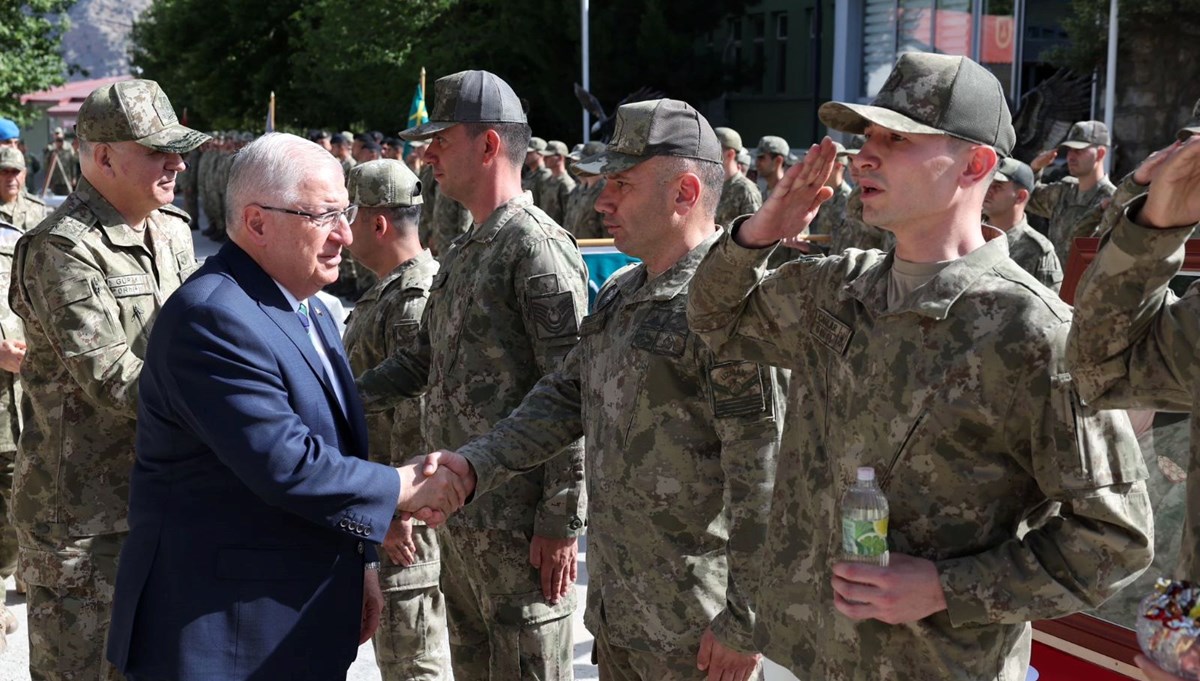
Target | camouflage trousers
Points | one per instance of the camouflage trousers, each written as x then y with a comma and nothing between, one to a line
8,535
69,600
501,628
626,664
410,644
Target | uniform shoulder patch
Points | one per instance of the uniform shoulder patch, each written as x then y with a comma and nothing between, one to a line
70,228
832,332
740,389
554,315
33,198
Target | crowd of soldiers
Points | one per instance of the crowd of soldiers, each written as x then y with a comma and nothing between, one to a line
799,308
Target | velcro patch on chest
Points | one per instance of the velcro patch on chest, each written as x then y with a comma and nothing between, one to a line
664,331
739,389
832,332
554,315
125,285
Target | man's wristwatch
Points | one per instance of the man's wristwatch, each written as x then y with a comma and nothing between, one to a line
373,565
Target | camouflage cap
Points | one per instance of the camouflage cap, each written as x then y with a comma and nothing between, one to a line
1192,127
469,97
1086,134
135,111
576,152
8,130
1012,170
656,127
730,139
772,144
11,158
536,144
933,94
555,148
383,183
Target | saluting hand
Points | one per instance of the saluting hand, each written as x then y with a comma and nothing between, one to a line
1043,159
1148,170
794,202
1174,199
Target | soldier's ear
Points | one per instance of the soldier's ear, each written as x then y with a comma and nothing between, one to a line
491,145
981,161
380,226
687,196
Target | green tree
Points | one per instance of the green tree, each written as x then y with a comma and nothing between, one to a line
1087,27
31,60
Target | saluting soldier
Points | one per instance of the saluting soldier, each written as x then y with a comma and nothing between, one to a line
1073,205
739,195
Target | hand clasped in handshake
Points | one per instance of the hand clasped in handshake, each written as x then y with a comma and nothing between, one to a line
435,486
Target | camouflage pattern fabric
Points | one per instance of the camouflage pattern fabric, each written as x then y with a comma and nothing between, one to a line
533,182
662,419
23,212
833,212
135,110
408,644
451,220
960,399
88,287
501,628
554,194
739,196
1035,254
582,219
626,664
1070,212
428,201
852,232
503,311
1133,343
68,620
10,406
354,279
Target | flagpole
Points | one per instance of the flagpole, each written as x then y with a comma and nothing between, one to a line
586,60
422,81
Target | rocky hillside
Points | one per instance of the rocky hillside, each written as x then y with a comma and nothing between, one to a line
99,37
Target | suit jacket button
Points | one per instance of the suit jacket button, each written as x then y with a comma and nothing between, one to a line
344,524
361,549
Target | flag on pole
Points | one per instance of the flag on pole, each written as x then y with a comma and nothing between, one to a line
271,114
417,115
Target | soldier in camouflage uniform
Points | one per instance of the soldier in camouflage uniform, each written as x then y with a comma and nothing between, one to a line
12,351
941,365
833,212
61,162
409,644
773,153
559,185
503,311
739,196
451,220
17,208
1073,204
1133,342
535,172
582,219
88,282
669,583
1004,206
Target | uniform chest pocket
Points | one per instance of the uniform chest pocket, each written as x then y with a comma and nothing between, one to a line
135,303
663,332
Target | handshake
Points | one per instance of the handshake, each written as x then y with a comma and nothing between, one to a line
435,486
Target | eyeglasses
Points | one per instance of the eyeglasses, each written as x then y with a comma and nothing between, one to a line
325,221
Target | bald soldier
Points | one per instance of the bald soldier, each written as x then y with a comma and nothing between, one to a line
88,283
942,366
739,195
409,643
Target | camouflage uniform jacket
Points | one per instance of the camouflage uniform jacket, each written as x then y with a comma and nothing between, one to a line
960,400
534,181
503,311
1127,190
10,329
833,212
1035,254
852,232
428,197
670,435
1133,344
739,196
24,212
555,191
88,288
1071,213
385,321
582,218
451,220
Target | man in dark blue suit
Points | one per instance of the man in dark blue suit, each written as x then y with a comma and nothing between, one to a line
253,512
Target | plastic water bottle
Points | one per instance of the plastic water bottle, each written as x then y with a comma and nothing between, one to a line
865,521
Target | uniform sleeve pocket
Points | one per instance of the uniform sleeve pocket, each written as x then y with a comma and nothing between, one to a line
1096,448
79,318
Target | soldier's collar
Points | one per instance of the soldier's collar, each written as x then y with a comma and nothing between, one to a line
677,277
485,232
108,217
396,276
935,298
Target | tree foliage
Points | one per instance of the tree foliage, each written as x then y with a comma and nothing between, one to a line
345,63
1087,27
30,50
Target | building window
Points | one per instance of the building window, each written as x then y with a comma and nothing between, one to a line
758,27
781,41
